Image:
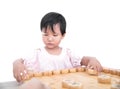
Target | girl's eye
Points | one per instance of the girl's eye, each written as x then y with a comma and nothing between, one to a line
55,35
45,34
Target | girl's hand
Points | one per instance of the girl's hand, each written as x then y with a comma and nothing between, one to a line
19,70
94,64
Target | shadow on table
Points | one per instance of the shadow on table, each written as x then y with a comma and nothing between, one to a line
9,85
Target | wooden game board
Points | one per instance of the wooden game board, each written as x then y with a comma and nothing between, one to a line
88,81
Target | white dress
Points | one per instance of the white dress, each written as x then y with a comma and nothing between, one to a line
43,61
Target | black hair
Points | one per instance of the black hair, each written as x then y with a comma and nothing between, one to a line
51,19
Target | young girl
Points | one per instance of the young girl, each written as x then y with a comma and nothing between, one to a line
52,56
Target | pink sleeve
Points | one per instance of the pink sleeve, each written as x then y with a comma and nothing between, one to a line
33,62
74,59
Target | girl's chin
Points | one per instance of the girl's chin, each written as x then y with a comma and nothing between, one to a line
50,47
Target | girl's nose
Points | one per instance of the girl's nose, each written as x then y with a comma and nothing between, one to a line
50,38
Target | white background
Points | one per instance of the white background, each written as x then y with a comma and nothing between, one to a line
92,29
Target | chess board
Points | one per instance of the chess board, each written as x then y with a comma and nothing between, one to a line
89,81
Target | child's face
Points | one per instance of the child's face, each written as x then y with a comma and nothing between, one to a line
52,39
